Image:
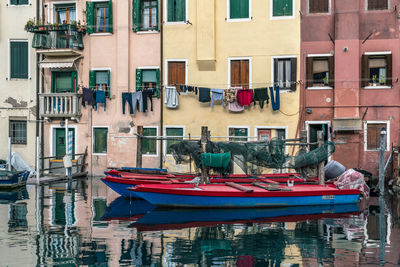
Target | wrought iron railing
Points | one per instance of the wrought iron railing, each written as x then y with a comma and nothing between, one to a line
63,36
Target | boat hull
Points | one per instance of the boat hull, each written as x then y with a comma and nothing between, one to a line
18,179
121,188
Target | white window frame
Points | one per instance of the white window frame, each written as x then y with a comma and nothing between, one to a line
238,126
165,134
374,10
318,87
53,141
308,123
273,69
99,126
271,8
228,13
286,128
366,134
379,53
328,13
229,69
157,143
11,5
176,60
54,4
166,22
9,60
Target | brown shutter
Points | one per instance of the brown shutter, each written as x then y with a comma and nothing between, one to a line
331,63
364,71
389,75
176,73
309,72
275,71
293,73
244,74
235,73
372,136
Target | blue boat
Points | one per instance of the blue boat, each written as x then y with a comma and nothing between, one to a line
243,196
124,209
120,188
9,179
168,219
13,195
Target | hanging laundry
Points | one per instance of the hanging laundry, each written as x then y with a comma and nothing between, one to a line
204,95
183,88
235,107
217,95
100,96
87,97
261,95
171,97
127,97
192,89
275,101
230,95
147,94
244,97
137,97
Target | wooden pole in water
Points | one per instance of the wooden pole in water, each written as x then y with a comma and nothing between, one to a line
204,135
321,173
139,146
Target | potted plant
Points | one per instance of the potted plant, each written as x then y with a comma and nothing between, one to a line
56,26
73,25
374,80
30,25
382,79
81,28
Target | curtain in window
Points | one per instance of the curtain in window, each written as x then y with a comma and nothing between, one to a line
72,15
99,20
63,82
280,73
146,16
287,73
62,16
102,79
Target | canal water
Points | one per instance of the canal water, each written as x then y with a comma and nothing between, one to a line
84,223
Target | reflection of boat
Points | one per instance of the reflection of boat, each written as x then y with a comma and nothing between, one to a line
231,195
123,209
9,179
13,195
163,219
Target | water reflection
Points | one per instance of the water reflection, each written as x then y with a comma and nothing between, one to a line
85,223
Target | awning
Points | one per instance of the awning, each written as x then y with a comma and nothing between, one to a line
58,62
346,124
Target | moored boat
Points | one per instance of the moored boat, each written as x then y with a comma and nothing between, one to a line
232,195
10,179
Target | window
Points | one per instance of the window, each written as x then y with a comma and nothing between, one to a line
266,134
282,8
64,81
148,79
176,73
100,80
175,132
19,2
65,14
18,131
237,132
145,15
239,9
377,4
318,6
176,10
240,73
100,140
99,17
376,70
149,146
373,133
19,60
320,71
285,71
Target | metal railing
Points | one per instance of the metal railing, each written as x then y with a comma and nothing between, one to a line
60,105
63,37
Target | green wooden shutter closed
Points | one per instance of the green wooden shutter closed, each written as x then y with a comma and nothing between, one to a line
157,19
53,82
110,17
180,10
139,77
158,85
244,8
19,60
234,9
171,11
109,84
282,7
136,18
13,2
89,17
74,81
92,79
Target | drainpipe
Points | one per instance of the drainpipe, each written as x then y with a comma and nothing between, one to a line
37,95
161,81
39,4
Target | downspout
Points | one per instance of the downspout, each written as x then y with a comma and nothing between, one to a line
37,76
161,82
41,91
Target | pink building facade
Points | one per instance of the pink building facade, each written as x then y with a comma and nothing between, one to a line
118,60
349,72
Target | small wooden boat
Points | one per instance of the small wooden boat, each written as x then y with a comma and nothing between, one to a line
172,219
9,179
121,185
232,195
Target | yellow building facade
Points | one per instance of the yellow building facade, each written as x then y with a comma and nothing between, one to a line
221,44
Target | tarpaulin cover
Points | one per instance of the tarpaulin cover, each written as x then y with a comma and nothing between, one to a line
219,160
352,179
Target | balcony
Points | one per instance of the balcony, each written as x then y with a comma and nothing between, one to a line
60,105
63,40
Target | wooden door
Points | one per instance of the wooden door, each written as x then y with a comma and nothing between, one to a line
176,73
240,73
60,141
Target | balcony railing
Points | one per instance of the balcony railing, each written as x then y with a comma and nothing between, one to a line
65,36
60,105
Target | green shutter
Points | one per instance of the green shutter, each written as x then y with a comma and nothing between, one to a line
110,17
158,85
19,60
239,9
53,82
180,10
92,79
109,83
13,2
158,24
74,81
171,11
136,19
89,17
100,140
139,79
282,8
244,8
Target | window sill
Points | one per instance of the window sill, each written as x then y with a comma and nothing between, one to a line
18,79
101,34
284,90
150,155
378,87
147,32
175,23
320,88
373,150
99,154
319,13
238,20
281,17
19,144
